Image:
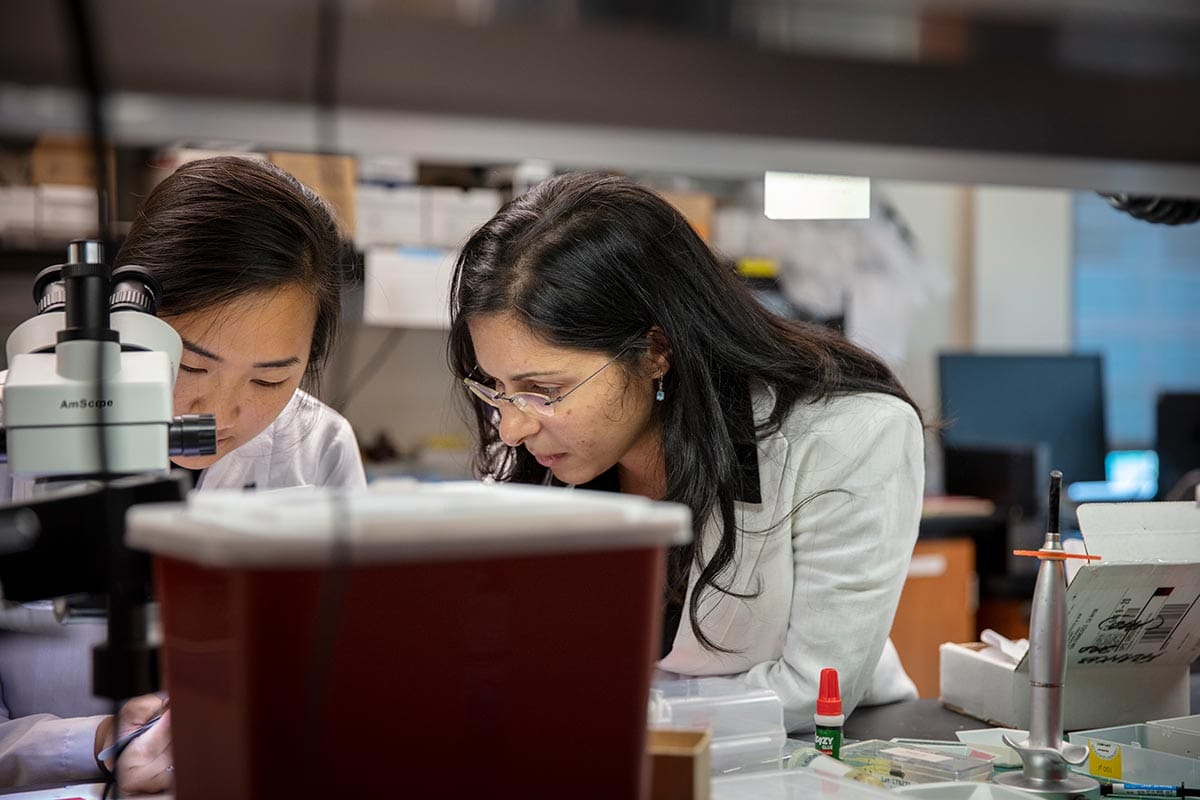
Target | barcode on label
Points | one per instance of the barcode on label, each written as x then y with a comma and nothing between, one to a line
1170,614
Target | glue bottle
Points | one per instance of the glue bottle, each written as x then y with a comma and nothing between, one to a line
829,718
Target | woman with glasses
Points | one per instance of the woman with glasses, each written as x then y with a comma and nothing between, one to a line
252,267
607,347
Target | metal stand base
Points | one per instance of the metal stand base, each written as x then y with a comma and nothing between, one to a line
1069,788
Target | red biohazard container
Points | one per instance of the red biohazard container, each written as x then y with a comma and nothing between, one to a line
411,641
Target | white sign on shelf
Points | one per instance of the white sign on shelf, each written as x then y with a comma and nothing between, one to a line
408,287
390,216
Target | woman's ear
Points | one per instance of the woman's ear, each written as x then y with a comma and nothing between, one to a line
658,352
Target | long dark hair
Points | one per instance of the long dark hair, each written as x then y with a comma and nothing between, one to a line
221,228
593,262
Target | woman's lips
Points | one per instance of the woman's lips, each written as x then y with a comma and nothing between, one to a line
551,460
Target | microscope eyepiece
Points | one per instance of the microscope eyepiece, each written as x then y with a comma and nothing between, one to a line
192,435
48,291
135,288
132,288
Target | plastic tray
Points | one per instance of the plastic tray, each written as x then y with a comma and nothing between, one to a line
746,723
1125,753
900,765
1178,735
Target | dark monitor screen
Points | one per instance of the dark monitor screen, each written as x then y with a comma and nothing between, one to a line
1027,399
1177,438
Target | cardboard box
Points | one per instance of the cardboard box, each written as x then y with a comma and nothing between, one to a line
698,208
938,601
333,177
66,160
1133,627
679,764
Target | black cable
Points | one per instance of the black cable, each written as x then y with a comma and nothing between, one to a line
87,67
370,369
1159,210
336,579
329,24
87,64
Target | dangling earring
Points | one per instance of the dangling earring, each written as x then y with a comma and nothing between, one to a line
660,395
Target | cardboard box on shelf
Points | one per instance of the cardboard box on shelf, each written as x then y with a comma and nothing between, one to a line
698,208
66,160
333,177
1133,627
938,601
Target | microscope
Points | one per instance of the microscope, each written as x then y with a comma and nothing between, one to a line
88,431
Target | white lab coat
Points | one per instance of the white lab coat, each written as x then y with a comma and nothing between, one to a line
309,444
827,581
48,716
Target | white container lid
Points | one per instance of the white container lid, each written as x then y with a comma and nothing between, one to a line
961,790
793,783
400,521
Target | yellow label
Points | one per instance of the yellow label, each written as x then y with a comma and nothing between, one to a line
1104,761
758,267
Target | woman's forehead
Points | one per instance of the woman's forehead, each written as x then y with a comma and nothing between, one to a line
252,329
505,346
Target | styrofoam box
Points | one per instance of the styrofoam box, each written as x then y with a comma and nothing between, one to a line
1133,627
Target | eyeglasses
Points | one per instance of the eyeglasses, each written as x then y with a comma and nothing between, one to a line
532,403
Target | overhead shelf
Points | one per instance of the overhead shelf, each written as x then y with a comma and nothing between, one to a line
1033,93
150,120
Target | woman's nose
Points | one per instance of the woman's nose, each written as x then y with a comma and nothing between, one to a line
515,425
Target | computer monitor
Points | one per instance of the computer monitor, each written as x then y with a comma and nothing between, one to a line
1058,400
1177,438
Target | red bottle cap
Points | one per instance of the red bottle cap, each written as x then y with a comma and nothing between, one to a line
829,700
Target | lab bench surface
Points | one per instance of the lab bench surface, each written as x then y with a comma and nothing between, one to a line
912,719
928,719
915,719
